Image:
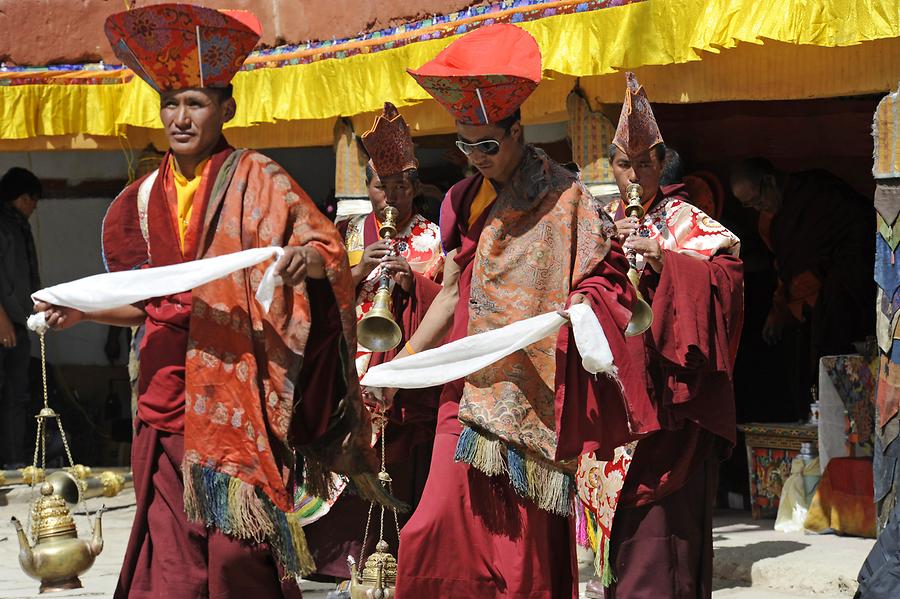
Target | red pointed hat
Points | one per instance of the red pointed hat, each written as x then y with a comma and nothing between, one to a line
637,131
179,46
389,143
485,75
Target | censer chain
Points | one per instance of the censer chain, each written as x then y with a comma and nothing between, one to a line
389,487
41,440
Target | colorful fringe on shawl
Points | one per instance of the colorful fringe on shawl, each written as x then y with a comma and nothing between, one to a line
549,488
244,512
590,535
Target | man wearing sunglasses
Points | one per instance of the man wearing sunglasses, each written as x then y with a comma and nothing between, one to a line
522,238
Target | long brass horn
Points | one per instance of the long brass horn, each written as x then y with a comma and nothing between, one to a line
642,313
377,330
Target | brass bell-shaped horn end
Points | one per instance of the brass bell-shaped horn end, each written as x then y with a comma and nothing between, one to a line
377,330
641,312
641,318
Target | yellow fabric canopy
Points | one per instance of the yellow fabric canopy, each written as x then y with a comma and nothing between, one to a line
683,50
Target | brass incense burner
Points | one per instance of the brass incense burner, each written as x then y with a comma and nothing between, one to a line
378,578
642,313
377,331
56,556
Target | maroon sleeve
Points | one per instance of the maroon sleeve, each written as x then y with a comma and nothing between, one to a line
598,413
698,311
697,320
320,383
408,311
123,244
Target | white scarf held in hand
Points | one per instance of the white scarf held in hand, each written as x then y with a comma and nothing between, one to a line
117,289
470,354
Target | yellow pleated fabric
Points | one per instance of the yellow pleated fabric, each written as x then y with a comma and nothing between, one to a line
685,50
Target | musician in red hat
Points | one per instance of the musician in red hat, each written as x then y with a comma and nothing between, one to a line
652,505
414,261
237,407
522,237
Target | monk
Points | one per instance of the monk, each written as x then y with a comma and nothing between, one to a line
522,237
237,407
414,261
820,232
661,489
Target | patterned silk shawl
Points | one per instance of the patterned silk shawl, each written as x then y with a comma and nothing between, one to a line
241,466
543,236
681,227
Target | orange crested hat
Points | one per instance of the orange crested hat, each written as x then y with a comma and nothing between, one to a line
179,46
637,131
485,75
389,143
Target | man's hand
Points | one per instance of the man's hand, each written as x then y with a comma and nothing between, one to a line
578,298
649,249
59,318
398,268
298,263
372,257
627,226
7,331
383,403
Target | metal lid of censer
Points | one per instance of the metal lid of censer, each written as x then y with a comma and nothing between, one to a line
380,563
50,516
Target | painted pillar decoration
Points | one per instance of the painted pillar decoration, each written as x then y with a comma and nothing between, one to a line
590,134
350,173
886,170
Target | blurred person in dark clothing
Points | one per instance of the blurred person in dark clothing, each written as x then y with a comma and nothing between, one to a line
821,232
20,191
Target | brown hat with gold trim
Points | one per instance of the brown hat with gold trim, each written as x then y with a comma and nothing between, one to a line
637,131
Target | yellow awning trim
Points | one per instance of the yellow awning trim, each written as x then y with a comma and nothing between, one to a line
711,50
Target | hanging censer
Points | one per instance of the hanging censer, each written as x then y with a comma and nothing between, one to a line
379,575
54,554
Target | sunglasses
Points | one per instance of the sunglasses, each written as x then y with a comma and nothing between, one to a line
488,147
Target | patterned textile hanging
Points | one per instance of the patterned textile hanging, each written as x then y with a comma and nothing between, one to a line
591,133
349,173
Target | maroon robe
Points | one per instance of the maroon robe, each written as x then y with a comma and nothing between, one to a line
167,555
472,535
409,434
664,517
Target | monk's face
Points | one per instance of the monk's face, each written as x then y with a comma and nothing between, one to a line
398,191
496,152
763,196
193,121
645,170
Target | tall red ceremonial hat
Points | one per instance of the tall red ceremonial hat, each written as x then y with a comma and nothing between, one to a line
389,143
637,131
179,46
485,75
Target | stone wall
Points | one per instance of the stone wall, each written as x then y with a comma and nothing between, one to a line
40,32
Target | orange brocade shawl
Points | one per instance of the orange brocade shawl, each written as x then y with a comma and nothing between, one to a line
245,398
543,237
